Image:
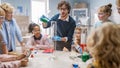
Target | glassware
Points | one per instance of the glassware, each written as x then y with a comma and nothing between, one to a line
53,32
44,19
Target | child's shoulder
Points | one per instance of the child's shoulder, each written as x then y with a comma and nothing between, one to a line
94,64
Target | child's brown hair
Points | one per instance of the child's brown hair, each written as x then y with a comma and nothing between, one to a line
104,45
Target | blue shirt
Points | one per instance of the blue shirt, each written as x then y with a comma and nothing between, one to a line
98,24
11,31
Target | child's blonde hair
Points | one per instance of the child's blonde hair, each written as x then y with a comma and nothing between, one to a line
106,9
104,45
7,7
2,12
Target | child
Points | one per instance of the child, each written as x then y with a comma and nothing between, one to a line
38,40
3,47
11,29
104,12
104,46
7,60
77,39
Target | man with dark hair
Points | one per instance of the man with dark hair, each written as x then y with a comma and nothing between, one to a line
65,26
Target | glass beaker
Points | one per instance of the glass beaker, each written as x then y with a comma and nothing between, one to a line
53,32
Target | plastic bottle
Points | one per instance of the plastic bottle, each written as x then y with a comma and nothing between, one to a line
75,65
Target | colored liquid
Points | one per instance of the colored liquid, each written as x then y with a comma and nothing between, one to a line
44,19
83,46
85,56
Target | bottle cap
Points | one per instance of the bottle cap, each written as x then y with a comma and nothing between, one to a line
75,65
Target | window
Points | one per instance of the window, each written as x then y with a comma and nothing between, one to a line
39,8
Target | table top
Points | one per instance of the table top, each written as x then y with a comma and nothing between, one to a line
57,59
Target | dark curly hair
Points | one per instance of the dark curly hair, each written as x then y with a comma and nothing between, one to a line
31,26
66,4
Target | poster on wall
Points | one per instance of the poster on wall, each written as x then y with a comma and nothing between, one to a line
80,15
20,9
82,12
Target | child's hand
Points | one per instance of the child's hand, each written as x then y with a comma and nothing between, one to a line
65,49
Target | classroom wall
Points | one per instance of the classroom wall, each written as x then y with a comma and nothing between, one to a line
22,7
93,5
53,6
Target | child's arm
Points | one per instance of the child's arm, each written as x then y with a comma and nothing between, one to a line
6,58
3,45
78,48
4,49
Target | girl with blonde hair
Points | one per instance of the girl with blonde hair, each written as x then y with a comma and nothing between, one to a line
104,46
104,12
